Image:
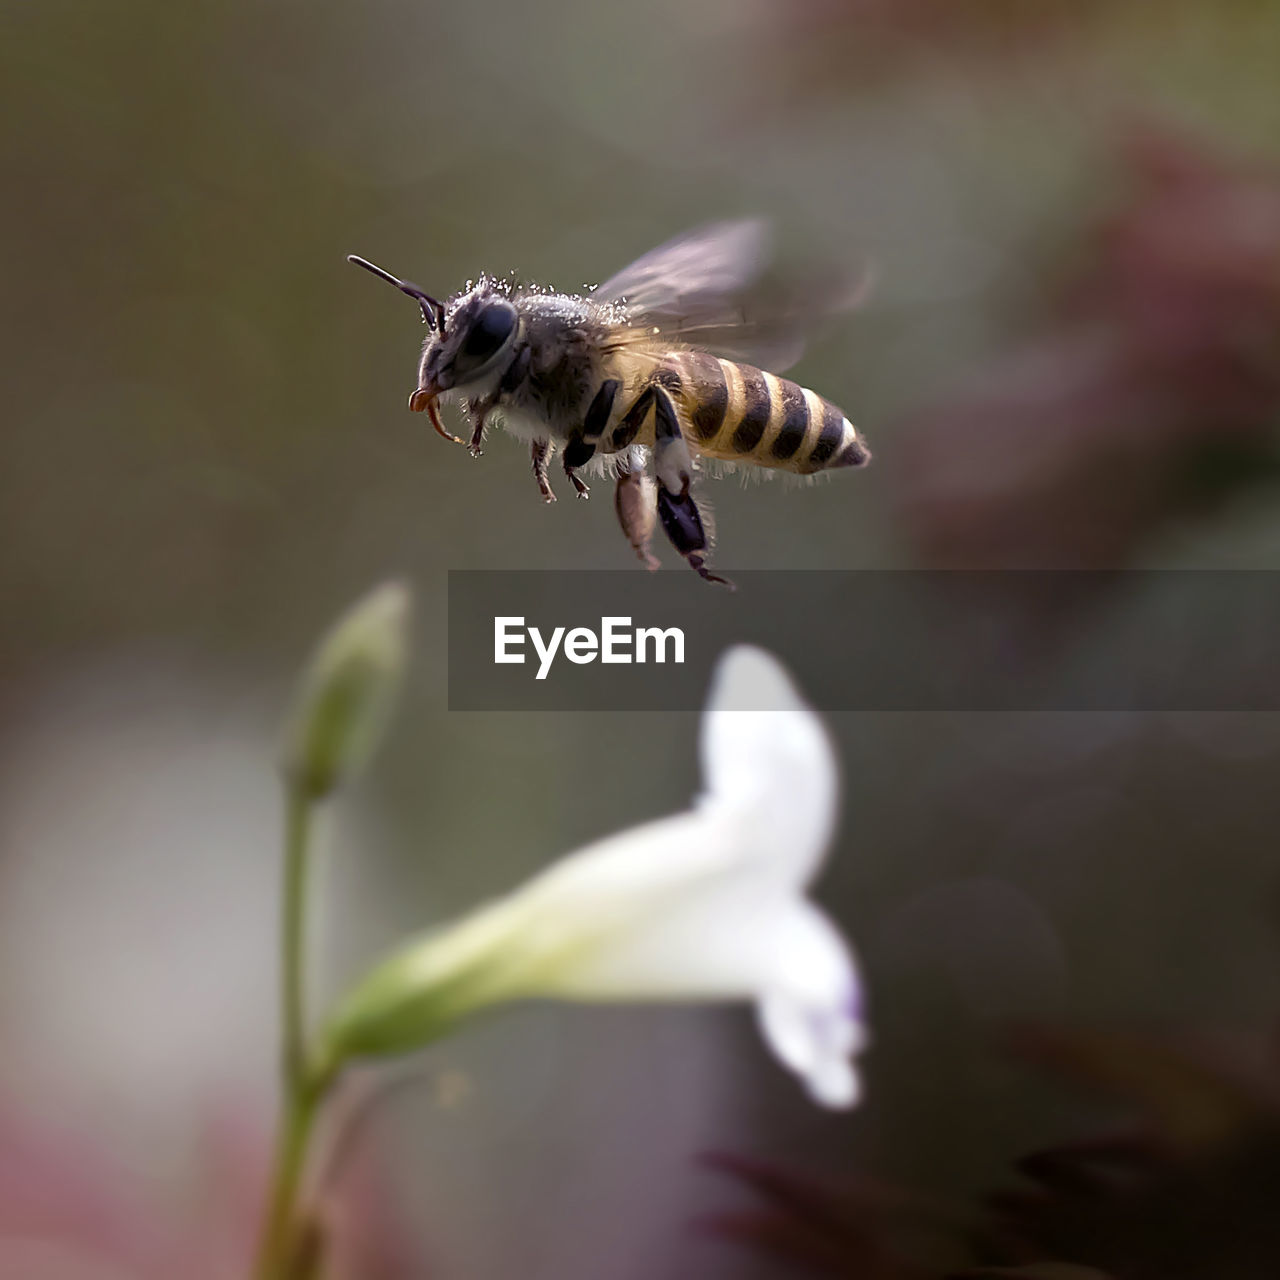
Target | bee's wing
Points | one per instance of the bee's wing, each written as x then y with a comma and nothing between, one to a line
694,274
707,288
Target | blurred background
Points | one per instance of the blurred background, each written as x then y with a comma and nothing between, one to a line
1071,359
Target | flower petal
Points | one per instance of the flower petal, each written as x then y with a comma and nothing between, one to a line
766,758
811,1012
631,873
712,943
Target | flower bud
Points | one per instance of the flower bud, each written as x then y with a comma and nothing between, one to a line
347,692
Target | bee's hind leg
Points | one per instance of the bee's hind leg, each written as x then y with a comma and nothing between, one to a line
634,502
681,519
541,452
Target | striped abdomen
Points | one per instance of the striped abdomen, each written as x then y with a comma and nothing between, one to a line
741,414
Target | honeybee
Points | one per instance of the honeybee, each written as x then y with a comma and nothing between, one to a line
649,366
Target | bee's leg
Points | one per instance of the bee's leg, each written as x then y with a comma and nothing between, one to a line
581,445
634,502
541,453
478,411
577,453
580,486
477,438
681,520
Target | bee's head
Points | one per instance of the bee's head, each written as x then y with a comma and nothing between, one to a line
470,350
469,353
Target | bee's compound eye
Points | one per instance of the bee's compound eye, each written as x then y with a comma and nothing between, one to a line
488,331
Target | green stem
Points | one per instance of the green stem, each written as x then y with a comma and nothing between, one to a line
304,1088
293,939
280,1234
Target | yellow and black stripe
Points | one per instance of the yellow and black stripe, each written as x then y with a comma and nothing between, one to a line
738,413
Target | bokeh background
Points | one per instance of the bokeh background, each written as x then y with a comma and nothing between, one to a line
1071,358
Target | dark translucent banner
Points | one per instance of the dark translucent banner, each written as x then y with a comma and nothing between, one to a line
871,640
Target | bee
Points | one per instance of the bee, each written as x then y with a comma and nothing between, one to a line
637,378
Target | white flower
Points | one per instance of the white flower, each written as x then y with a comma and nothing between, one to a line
706,905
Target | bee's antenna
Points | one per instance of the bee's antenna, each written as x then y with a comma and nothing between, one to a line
432,310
